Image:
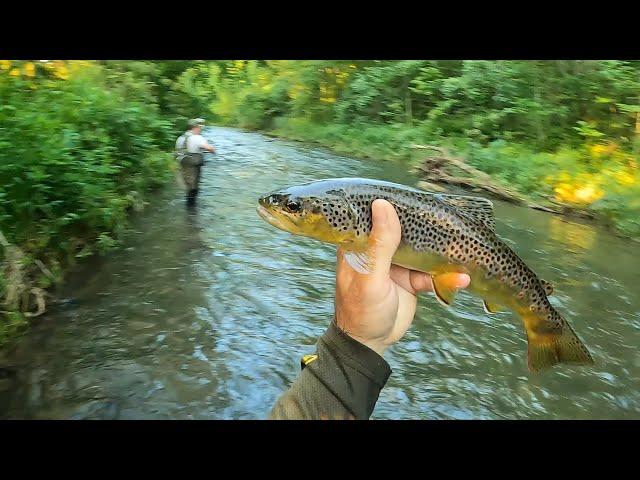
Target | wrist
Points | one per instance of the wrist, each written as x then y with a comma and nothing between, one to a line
359,347
374,344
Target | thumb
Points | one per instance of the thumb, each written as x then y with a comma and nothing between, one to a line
385,235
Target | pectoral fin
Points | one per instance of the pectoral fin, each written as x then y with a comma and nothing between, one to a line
491,307
359,261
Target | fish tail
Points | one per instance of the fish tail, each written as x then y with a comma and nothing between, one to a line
548,348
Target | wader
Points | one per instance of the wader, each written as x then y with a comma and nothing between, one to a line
191,164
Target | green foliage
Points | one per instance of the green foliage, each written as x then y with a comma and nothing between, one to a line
542,104
12,323
621,206
80,144
517,120
73,151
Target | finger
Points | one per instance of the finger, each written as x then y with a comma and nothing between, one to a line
421,282
385,236
415,282
410,280
454,280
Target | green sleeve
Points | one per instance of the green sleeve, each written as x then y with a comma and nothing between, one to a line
342,381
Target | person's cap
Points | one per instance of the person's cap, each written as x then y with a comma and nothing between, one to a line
196,122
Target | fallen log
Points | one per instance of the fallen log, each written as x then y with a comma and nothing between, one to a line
437,169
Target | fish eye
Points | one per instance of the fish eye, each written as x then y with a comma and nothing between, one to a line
293,206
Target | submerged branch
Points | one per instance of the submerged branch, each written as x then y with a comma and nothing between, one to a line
40,302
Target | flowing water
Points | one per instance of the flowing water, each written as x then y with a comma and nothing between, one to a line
206,315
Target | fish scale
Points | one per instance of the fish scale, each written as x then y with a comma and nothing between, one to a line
440,233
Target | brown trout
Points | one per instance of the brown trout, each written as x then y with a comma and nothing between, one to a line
440,233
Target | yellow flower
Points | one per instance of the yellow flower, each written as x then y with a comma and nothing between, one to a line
5,64
597,150
562,191
29,69
587,194
625,178
582,193
296,90
61,70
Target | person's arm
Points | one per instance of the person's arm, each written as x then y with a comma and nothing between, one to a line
373,311
205,146
180,143
341,381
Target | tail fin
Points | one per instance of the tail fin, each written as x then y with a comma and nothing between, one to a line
546,350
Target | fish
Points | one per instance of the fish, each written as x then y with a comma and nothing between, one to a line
440,233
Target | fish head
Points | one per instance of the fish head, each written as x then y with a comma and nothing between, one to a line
319,210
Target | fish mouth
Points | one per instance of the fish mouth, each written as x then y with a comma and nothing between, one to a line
276,220
264,213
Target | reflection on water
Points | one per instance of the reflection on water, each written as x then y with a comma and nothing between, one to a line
574,236
206,314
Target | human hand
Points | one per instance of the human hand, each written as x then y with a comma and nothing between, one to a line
376,309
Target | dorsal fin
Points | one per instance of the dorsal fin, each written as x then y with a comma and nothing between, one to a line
476,208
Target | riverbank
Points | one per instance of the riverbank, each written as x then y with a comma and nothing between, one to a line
81,146
599,182
29,270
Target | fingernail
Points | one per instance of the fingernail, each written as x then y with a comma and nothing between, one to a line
463,281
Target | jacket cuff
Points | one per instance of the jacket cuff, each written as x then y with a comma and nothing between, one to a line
351,371
357,355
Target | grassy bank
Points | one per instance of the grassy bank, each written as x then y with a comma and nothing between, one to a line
597,178
80,146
